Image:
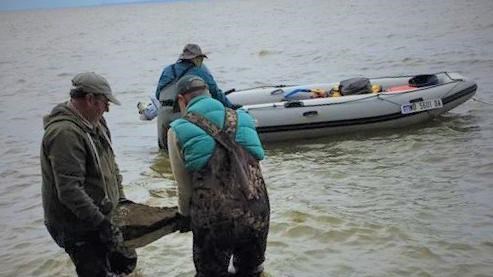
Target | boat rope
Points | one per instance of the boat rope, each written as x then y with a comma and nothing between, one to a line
345,102
262,86
450,91
352,101
399,104
481,101
387,100
406,76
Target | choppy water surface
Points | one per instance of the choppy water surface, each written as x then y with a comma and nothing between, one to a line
415,202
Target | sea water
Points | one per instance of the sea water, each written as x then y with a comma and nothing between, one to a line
413,202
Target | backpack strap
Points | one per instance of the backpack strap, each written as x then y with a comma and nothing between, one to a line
183,73
173,68
176,78
230,124
176,108
170,100
242,169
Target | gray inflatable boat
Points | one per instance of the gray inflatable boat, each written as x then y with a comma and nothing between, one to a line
312,111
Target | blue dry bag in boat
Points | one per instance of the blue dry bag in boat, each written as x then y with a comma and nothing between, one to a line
298,94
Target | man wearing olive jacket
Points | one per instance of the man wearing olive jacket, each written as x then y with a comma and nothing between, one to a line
81,180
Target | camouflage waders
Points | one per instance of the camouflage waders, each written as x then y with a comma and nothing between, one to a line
229,207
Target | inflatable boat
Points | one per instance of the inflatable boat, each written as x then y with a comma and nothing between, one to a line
353,105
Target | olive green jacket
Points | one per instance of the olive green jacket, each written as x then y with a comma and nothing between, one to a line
73,188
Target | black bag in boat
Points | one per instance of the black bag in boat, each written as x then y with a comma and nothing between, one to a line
355,86
423,80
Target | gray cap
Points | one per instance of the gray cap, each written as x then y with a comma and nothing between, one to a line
90,82
190,83
191,51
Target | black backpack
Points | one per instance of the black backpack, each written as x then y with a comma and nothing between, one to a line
355,86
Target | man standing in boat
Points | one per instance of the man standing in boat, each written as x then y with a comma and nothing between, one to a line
190,62
81,180
214,154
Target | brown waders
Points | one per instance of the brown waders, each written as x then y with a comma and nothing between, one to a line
229,207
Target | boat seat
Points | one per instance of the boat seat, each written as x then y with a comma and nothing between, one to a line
398,89
424,80
416,82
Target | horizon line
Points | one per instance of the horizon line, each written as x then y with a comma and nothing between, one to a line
54,6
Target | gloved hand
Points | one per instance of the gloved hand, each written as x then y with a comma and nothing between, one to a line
236,106
109,234
141,107
105,232
143,117
183,224
106,206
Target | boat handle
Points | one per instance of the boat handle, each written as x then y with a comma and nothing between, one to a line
416,100
294,104
277,91
310,113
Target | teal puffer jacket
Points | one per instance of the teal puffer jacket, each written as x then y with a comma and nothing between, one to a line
197,146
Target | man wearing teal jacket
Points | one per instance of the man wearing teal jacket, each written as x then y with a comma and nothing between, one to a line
214,153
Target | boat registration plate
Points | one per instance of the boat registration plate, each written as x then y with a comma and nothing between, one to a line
420,106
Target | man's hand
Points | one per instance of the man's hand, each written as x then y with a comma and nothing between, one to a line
109,234
141,107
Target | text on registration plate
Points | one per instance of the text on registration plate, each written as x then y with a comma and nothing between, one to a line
421,106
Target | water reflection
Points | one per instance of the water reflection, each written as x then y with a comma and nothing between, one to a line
408,202
161,166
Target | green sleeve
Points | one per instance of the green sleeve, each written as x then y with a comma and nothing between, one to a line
67,155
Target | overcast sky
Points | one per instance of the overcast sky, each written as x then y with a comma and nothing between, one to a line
43,4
